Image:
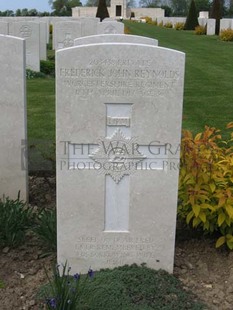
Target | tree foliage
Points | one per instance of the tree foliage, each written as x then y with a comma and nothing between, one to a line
216,13
202,5
102,11
64,7
149,3
95,3
179,7
191,21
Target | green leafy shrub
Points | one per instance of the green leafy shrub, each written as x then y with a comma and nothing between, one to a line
179,26
126,287
168,25
51,57
46,229
47,67
226,35
206,183
15,219
200,30
30,74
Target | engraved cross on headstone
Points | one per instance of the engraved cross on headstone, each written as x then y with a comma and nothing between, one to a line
117,156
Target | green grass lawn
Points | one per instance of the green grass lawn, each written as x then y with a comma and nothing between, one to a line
41,108
208,93
41,124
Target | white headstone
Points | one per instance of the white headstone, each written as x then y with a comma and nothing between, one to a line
211,23
120,38
204,14
3,28
43,41
13,155
119,110
88,25
225,23
30,31
65,33
110,27
202,21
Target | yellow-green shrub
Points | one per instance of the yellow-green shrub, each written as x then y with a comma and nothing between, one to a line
200,30
160,24
226,35
179,26
126,30
168,25
206,183
148,19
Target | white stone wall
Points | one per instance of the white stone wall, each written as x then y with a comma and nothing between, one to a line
150,12
84,11
139,12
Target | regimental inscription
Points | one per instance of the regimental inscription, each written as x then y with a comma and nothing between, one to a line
116,249
25,31
118,121
117,78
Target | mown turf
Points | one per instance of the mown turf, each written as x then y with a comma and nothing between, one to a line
41,123
208,94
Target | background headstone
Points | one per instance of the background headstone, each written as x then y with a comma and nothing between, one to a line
118,107
13,155
30,31
211,22
43,40
65,33
88,25
120,38
3,28
110,27
225,23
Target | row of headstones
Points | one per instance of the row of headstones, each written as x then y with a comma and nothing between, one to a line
36,34
116,198
225,23
210,24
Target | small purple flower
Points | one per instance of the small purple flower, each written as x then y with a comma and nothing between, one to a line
76,276
90,273
52,303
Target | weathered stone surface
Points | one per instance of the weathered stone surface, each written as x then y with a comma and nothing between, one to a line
110,27
30,31
118,38
119,107
13,155
211,22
